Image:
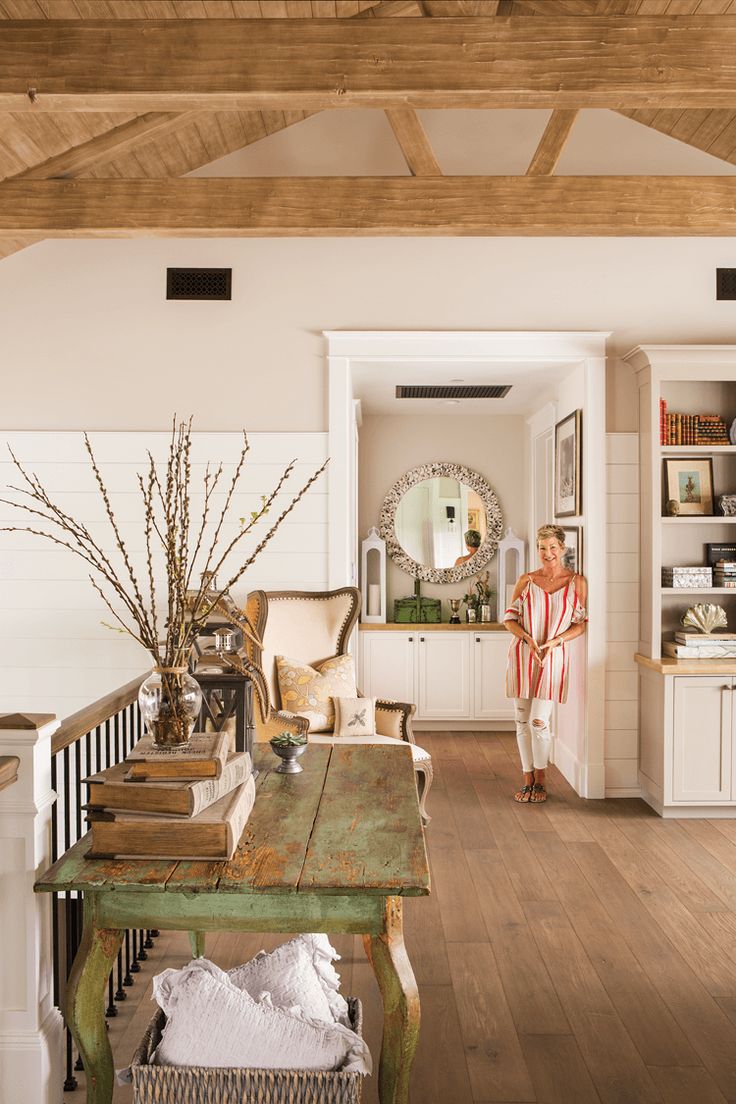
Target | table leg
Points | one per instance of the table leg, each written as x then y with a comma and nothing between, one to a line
85,1005
395,977
196,942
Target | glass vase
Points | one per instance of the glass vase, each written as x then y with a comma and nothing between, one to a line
170,701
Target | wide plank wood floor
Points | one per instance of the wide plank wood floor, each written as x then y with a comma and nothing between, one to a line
571,953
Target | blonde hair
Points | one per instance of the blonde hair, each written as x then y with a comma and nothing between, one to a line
549,532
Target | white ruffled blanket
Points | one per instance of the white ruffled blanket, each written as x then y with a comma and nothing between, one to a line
279,1011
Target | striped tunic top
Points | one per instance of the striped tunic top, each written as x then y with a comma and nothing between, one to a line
542,616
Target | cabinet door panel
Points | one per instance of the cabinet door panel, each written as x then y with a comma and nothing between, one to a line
443,667
489,662
388,665
702,739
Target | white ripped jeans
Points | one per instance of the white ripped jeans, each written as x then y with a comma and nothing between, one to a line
532,732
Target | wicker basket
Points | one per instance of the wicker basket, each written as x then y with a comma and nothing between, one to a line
215,1085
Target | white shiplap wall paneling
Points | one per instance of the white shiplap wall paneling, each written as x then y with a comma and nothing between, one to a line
56,655
622,600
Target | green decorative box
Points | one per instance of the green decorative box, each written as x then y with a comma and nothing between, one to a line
405,611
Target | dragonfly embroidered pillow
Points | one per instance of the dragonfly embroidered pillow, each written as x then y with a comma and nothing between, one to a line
309,691
355,716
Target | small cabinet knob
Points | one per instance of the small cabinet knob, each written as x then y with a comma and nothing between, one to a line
421,639
411,639
477,640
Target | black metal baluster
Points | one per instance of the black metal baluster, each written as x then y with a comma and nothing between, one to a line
138,952
120,994
149,941
55,896
70,1082
77,899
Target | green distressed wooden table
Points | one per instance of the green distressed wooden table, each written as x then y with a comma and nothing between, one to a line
331,850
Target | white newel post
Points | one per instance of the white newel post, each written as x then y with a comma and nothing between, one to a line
31,1029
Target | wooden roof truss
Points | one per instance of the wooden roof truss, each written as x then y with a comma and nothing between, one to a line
97,138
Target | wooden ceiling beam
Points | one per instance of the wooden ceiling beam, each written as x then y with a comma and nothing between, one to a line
338,206
106,147
415,145
308,64
552,142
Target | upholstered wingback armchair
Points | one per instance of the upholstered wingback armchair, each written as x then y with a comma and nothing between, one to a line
312,627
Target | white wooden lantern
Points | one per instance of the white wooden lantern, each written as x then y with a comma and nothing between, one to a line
373,579
511,564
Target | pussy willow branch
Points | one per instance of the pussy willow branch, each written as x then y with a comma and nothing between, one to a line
228,499
210,484
259,547
265,506
111,518
167,517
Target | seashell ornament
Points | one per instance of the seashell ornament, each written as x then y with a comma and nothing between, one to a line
705,617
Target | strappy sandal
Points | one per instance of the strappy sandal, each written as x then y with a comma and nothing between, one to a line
539,794
524,794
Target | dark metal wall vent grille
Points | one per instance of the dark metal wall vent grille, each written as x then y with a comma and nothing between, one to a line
453,391
726,283
198,283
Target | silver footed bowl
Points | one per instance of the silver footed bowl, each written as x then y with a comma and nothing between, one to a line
289,753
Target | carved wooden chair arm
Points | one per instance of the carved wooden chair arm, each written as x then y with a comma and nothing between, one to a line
282,721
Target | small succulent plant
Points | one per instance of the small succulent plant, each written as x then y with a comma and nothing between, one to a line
288,739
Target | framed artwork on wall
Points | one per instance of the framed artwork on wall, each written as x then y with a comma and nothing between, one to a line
688,485
573,557
568,465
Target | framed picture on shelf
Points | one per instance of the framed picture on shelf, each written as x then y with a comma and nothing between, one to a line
573,556
689,483
568,465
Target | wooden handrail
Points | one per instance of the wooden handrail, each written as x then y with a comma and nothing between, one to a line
8,770
79,724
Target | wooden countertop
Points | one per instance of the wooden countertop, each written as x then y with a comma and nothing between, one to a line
668,665
391,626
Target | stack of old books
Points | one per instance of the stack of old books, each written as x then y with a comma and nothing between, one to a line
695,645
724,574
170,803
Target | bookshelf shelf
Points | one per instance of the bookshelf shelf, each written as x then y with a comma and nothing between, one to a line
697,450
698,590
708,519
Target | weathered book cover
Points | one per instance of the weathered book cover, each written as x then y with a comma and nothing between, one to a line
109,789
214,834
204,757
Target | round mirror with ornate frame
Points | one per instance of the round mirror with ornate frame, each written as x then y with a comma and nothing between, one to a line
441,522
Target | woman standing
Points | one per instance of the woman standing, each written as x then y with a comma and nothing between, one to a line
547,610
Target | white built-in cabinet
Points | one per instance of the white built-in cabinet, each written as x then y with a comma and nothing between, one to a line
688,742
703,736
687,712
449,675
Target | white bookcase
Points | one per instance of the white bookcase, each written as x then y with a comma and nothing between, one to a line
693,379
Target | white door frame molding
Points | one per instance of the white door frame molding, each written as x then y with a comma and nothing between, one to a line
518,350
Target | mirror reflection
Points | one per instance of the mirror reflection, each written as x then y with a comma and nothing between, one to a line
440,522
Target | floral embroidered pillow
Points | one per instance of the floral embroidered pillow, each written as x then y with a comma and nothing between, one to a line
355,716
308,691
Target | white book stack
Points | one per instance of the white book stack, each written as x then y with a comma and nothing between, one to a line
693,645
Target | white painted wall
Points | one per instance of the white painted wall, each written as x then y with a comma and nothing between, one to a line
390,446
622,529
87,339
55,653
